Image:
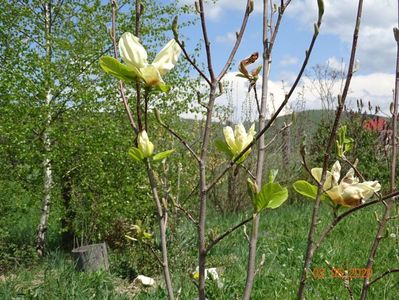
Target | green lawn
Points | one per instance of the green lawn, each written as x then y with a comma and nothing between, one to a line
282,239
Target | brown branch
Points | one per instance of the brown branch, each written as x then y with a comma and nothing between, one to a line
387,212
192,62
341,101
120,85
360,175
206,41
186,212
226,233
251,264
273,118
237,42
183,141
390,271
345,279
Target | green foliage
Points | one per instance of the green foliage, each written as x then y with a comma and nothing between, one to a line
306,189
368,147
271,195
163,155
113,67
136,154
344,144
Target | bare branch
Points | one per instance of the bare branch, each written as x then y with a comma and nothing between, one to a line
226,233
237,42
390,271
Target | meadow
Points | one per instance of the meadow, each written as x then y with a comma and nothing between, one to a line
281,241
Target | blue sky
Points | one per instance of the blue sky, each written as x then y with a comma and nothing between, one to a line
289,49
376,51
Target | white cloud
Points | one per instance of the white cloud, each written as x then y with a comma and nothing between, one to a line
216,10
289,61
229,38
376,88
376,50
335,63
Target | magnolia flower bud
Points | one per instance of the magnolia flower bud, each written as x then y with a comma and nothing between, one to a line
239,139
144,144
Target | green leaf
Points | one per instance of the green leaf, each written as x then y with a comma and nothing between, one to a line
162,87
162,155
272,195
272,175
305,189
244,157
223,147
136,154
113,67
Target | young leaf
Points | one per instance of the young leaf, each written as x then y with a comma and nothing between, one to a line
112,66
136,154
243,158
272,175
162,87
162,155
223,147
272,195
306,189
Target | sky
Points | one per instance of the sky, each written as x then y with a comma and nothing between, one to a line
376,54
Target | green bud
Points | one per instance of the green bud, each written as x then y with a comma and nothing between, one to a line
158,117
252,189
320,4
175,27
251,6
197,7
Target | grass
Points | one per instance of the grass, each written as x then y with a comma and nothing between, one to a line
282,241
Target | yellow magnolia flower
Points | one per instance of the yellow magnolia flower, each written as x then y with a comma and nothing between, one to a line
144,144
135,56
349,191
239,139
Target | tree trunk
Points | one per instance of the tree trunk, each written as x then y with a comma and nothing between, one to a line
67,219
48,175
48,183
91,257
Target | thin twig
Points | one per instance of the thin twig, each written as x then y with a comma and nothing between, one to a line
120,85
388,207
248,172
186,212
286,126
183,141
226,233
260,162
206,41
237,42
273,118
360,175
345,279
339,218
390,271
192,62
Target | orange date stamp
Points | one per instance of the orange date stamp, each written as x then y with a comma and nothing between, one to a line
352,273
